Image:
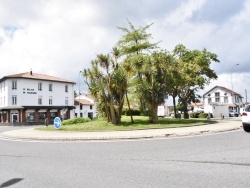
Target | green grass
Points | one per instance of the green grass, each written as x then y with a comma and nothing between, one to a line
140,122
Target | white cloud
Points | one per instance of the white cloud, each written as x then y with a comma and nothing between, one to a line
184,12
61,37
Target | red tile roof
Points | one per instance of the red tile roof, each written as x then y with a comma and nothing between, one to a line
36,76
88,95
225,89
83,101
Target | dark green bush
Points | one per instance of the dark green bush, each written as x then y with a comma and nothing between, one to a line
124,112
133,112
145,113
75,121
178,116
194,115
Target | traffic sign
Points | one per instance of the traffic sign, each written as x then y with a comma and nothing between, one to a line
57,123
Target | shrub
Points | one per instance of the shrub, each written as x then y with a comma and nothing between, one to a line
124,112
145,113
133,112
194,115
205,115
75,121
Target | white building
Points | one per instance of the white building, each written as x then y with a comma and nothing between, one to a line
85,106
220,96
29,98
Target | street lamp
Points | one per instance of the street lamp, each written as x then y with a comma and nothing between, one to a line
79,81
79,91
245,89
232,81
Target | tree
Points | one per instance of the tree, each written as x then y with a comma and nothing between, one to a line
107,82
195,71
146,69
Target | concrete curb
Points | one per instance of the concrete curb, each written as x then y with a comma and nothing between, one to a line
31,135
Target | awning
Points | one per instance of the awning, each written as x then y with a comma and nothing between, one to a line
11,108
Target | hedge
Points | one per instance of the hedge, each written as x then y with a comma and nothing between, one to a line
75,121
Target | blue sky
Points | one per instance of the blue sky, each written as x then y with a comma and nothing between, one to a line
61,37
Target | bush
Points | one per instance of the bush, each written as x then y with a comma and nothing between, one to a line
133,112
145,113
194,115
178,116
124,112
75,121
205,115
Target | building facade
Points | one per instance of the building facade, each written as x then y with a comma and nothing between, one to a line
223,96
85,106
29,98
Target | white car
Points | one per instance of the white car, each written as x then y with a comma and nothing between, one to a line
246,119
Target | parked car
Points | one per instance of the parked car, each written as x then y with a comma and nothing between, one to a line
246,119
233,113
242,110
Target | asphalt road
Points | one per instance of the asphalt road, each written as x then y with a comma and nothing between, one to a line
215,160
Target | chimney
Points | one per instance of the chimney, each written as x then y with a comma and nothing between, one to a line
30,71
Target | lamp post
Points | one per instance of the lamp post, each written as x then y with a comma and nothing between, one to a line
79,91
245,89
232,81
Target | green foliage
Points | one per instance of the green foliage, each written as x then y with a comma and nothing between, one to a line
140,122
205,115
194,115
133,112
75,121
145,113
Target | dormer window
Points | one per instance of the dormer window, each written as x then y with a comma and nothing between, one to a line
217,94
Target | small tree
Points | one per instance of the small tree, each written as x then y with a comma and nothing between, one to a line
195,71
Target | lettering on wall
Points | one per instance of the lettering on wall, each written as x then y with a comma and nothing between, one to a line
29,91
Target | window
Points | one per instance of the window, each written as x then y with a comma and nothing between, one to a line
66,100
50,100
50,87
40,100
80,106
30,116
217,94
80,114
14,84
66,88
225,99
14,100
90,107
217,100
40,86
209,100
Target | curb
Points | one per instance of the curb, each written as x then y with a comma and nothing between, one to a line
105,138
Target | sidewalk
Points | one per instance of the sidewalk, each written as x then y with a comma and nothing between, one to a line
32,134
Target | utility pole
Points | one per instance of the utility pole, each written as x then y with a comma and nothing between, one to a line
246,95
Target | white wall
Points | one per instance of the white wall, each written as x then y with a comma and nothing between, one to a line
86,107
27,93
217,110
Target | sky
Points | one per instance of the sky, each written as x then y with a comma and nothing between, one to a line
61,37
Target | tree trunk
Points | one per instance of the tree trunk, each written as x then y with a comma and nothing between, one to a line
185,110
153,118
131,117
174,104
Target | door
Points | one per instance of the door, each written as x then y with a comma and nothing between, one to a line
14,118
